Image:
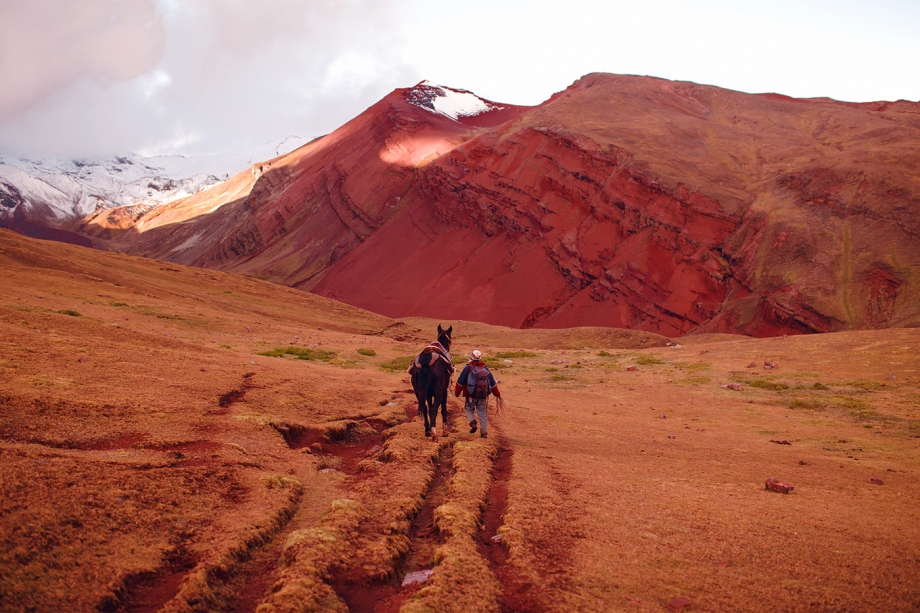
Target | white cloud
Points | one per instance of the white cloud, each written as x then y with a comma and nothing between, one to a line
99,76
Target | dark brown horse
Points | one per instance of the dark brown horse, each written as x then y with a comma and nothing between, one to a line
431,376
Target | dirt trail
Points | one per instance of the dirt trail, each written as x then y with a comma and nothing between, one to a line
257,575
389,596
149,592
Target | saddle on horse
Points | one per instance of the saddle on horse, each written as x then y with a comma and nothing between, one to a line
439,353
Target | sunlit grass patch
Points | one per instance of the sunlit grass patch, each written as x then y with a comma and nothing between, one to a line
368,352
698,366
301,353
561,378
398,364
648,360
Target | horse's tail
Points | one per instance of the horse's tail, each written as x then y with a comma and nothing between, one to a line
424,373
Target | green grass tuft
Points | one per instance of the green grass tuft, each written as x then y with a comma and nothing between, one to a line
398,364
70,312
301,353
501,355
799,403
768,385
648,360
368,352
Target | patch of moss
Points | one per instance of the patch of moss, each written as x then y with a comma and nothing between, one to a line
368,352
648,360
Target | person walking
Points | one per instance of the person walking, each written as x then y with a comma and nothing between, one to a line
476,383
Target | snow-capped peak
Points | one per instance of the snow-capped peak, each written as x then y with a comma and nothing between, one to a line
449,102
61,190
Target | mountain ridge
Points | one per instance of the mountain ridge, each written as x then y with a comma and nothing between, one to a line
622,201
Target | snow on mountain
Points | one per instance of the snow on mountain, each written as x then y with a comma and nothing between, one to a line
452,103
57,191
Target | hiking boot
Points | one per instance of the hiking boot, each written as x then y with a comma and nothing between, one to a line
483,435
472,427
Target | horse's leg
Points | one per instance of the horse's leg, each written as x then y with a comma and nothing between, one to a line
433,415
443,402
423,411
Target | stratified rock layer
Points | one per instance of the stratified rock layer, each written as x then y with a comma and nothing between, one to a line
623,201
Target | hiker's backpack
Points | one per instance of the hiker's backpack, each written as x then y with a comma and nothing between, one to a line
477,382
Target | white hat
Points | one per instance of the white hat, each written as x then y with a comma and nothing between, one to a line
475,355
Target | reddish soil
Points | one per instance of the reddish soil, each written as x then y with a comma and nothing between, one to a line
147,594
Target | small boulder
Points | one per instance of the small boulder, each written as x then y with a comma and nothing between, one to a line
752,365
418,576
679,604
782,442
778,486
733,386
632,368
876,481
770,365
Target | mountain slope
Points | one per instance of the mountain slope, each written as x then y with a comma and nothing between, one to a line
623,201
45,196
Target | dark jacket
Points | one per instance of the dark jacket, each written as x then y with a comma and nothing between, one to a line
460,386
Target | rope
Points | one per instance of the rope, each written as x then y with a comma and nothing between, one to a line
499,406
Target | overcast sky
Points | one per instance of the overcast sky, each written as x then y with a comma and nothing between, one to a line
91,77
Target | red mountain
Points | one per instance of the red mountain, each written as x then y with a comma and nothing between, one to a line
623,201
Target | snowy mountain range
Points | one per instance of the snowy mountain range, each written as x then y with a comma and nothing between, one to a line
55,192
